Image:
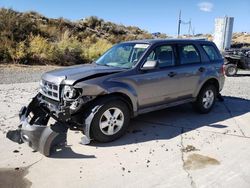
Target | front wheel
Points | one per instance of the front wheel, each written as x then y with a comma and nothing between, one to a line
111,121
206,99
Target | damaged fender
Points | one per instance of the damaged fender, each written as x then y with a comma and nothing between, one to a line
86,139
114,88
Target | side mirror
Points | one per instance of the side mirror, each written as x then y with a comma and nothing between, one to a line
149,65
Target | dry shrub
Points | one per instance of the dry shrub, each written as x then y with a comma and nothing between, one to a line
94,50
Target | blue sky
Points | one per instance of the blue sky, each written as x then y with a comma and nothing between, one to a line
151,15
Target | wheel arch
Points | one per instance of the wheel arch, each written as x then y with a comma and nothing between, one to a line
121,90
210,81
119,96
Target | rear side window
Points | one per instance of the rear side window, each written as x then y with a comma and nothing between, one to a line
189,54
164,55
211,52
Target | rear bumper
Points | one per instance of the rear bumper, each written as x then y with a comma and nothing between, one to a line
35,132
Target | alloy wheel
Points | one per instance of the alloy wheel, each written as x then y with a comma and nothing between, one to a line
208,99
111,121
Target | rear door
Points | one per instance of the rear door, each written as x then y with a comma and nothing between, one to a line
189,69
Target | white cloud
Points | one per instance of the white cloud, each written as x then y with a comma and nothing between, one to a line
206,6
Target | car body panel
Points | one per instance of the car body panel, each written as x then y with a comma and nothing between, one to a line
75,73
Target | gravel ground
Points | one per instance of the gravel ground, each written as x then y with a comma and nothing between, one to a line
22,74
238,86
234,86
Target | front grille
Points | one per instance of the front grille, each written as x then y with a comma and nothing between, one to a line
49,90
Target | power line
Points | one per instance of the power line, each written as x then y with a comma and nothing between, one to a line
189,23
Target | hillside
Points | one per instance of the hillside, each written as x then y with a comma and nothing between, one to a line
241,40
31,38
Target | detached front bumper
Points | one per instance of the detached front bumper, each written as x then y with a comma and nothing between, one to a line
34,131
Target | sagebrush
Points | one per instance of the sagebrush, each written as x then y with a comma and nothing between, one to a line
30,38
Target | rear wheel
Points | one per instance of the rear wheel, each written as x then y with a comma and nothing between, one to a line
206,99
111,121
231,69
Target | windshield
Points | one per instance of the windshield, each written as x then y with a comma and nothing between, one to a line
124,55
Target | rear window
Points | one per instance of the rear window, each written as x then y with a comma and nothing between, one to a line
189,54
211,52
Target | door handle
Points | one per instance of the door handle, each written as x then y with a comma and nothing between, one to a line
202,69
172,74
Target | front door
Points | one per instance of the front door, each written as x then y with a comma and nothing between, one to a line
158,86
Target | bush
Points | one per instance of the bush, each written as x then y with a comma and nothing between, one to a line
70,49
94,50
19,53
16,26
4,51
42,50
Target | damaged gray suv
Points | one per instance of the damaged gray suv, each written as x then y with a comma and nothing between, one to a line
131,78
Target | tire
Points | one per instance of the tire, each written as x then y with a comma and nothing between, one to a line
206,99
231,70
111,121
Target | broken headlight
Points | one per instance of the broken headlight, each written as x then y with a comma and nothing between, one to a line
69,92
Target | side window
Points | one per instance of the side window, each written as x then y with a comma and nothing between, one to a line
164,55
211,52
136,54
189,54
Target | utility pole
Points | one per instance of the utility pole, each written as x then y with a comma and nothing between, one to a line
189,27
179,24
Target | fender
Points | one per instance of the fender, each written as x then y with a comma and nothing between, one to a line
110,88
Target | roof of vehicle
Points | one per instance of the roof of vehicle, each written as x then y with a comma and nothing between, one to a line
175,40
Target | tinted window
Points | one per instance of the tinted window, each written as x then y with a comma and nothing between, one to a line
211,52
164,55
189,54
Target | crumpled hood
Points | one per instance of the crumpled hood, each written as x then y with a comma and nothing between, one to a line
71,74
